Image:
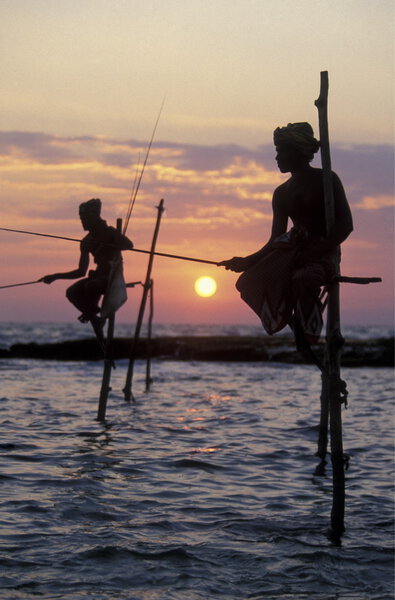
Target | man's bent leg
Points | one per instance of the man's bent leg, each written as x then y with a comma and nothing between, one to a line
306,285
85,295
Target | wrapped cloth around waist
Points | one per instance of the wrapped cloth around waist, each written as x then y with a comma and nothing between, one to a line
267,285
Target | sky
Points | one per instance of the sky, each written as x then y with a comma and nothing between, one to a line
82,85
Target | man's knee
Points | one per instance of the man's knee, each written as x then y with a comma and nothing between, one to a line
73,293
300,279
69,294
307,279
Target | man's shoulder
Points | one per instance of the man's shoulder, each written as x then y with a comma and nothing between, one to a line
109,229
85,242
318,173
318,177
280,189
281,192
106,232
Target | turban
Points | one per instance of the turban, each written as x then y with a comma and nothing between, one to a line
91,208
299,136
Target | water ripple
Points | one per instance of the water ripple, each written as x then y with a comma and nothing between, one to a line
207,487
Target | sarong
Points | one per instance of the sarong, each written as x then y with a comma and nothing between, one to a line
278,291
85,294
116,294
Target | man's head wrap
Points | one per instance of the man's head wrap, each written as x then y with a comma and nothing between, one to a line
91,208
299,136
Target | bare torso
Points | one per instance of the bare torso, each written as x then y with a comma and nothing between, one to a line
301,199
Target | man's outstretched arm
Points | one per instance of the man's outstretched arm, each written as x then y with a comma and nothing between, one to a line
279,226
80,271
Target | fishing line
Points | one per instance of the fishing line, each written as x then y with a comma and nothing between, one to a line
131,205
131,199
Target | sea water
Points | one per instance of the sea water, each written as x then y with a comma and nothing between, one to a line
205,487
13,333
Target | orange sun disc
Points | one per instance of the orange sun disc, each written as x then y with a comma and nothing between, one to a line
205,286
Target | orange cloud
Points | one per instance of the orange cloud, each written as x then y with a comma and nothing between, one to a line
376,202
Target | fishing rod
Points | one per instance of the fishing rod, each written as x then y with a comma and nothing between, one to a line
57,237
69,239
178,256
136,188
3,287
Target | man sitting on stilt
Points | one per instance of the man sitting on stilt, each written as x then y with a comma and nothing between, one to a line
105,244
281,281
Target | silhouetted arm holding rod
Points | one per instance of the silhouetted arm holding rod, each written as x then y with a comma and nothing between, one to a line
80,271
279,226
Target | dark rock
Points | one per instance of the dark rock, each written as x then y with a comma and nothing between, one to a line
374,353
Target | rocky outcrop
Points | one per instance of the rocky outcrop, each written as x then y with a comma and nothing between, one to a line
373,353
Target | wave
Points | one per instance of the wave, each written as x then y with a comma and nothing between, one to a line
48,332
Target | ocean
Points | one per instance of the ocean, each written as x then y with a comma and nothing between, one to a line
205,487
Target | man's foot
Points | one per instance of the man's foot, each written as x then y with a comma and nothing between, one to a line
97,324
303,341
84,318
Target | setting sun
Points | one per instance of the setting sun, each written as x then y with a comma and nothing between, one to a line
205,286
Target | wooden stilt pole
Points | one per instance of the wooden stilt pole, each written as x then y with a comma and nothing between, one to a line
108,361
333,388
324,420
108,365
128,384
148,379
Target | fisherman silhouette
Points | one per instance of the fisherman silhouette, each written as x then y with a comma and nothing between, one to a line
281,282
104,243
